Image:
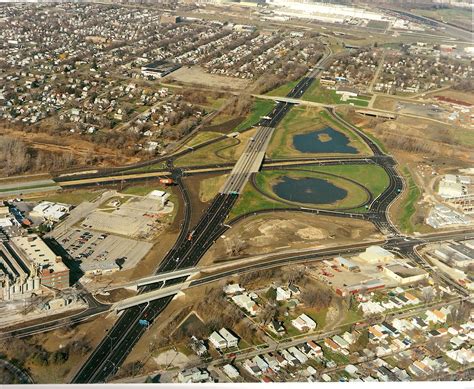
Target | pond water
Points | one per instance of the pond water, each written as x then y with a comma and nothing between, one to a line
308,190
327,140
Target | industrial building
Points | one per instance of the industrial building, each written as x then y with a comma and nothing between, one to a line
459,254
363,287
405,274
159,68
376,255
346,264
26,264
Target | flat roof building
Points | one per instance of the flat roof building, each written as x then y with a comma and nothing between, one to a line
405,274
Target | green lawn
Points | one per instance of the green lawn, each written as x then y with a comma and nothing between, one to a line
356,196
318,94
408,207
139,190
373,177
74,197
202,137
148,168
284,89
260,108
25,187
336,357
250,201
301,120
207,155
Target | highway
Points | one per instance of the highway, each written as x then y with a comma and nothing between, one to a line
114,348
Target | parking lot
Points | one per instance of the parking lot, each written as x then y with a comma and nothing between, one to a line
101,252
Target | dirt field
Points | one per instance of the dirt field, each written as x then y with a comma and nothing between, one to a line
468,97
266,233
197,76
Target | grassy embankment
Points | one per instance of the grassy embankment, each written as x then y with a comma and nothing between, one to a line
301,120
407,208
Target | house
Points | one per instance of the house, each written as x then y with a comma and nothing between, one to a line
329,343
435,316
251,367
352,370
245,302
304,323
418,368
316,350
295,291
231,371
340,341
282,294
419,323
292,361
412,299
262,365
217,341
276,326
456,342
232,289
193,375
272,362
198,346
282,362
348,337
298,354
375,334
463,356
389,329
231,340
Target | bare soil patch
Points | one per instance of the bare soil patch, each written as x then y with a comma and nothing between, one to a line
197,76
265,233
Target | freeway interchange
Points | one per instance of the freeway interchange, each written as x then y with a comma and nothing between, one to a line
193,243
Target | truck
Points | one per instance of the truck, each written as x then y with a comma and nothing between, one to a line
190,236
166,181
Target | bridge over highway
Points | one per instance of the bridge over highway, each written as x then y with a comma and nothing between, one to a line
249,162
161,277
147,297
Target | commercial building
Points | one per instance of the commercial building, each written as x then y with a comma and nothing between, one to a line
50,211
405,274
376,255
